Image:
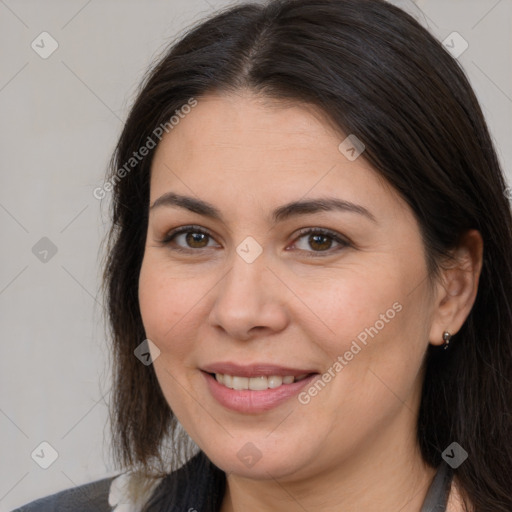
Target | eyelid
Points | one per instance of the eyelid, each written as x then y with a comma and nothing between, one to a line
338,238
341,240
169,236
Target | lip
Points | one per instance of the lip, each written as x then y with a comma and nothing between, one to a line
255,370
247,401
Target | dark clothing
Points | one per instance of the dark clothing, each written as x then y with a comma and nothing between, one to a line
91,497
198,486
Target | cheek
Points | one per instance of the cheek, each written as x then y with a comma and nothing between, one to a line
164,302
373,333
356,305
167,309
172,302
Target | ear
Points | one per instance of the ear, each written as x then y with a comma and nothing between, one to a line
457,287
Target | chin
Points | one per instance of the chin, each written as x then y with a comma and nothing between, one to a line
259,461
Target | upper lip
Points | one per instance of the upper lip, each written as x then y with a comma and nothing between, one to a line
254,370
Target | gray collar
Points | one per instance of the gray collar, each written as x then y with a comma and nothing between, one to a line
437,495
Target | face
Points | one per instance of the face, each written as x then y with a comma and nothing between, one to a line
265,293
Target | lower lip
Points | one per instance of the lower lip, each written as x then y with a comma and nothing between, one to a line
248,401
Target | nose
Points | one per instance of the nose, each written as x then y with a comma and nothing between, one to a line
250,300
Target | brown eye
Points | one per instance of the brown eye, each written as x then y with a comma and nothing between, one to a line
196,240
320,241
187,239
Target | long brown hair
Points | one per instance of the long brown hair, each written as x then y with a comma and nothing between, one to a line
378,74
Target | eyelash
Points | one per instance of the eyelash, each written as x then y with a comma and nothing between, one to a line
302,233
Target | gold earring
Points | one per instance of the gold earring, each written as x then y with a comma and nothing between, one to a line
446,338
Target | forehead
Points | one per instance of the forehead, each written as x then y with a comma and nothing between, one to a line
236,124
243,145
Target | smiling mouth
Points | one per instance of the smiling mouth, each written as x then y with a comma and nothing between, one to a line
259,383
259,389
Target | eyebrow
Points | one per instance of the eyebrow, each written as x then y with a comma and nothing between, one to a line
294,208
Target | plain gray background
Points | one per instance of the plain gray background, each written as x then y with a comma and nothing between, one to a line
60,120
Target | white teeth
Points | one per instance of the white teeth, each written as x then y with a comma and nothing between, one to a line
240,382
275,381
228,381
256,383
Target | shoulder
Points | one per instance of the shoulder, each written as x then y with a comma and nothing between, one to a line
91,497
197,481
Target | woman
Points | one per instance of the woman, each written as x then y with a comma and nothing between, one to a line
308,269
